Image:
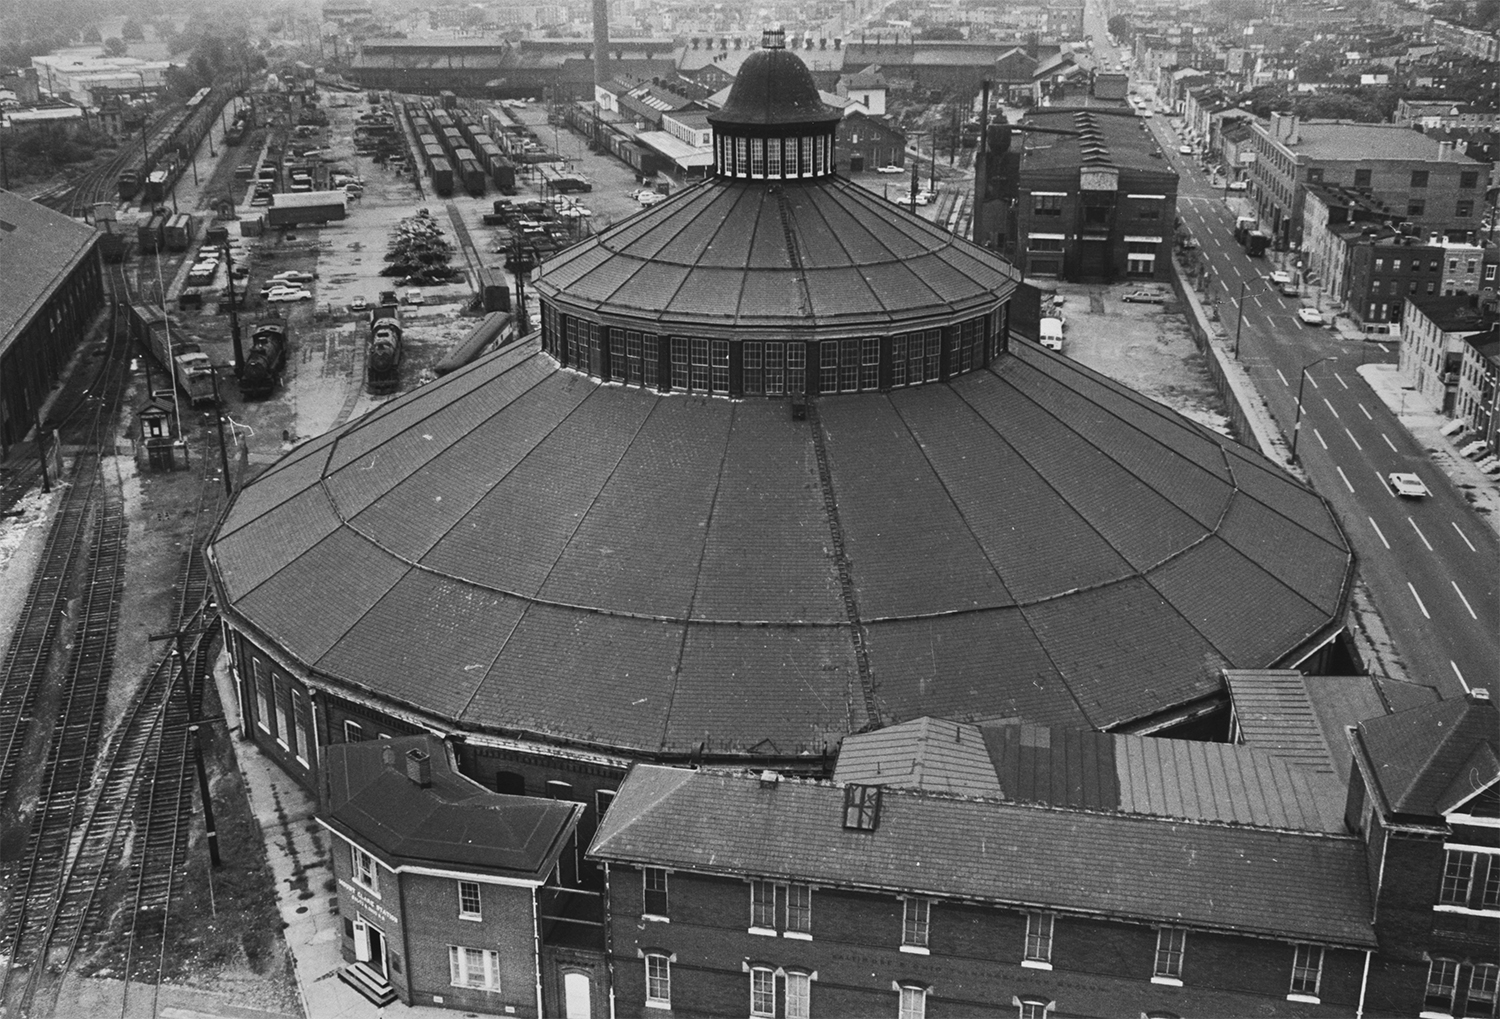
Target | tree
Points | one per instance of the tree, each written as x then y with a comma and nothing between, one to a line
91,35
115,47
1119,26
131,31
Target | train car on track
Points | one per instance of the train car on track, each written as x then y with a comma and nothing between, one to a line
494,331
383,357
265,358
190,368
130,185
149,235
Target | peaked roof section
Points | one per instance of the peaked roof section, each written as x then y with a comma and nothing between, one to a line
37,249
1031,540
761,258
1417,756
453,822
1082,770
1290,886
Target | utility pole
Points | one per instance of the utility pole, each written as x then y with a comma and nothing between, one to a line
977,225
234,317
195,732
219,418
41,449
1297,421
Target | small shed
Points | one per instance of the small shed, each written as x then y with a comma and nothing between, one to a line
157,442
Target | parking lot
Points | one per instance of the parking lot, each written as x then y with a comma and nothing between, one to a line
1144,346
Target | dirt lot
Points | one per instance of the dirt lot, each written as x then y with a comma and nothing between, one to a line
1145,346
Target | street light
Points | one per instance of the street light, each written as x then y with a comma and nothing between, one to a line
1240,319
1301,382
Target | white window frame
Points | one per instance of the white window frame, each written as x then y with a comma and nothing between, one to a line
477,913
663,980
1306,960
762,992
1452,987
1039,927
666,891
353,731
911,1001
916,930
461,968
802,1000
1169,974
265,695
360,864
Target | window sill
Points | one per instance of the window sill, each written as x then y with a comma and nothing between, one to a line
1466,911
664,1005
1306,999
761,932
654,918
915,950
797,935
1434,1015
471,917
1167,981
1036,964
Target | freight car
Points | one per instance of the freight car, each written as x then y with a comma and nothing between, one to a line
494,331
178,232
190,368
265,358
383,358
148,235
442,177
472,176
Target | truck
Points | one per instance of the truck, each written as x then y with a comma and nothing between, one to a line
1256,243
1243,226
307,207
178,232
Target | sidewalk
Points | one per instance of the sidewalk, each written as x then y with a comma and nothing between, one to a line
297,852
1425,425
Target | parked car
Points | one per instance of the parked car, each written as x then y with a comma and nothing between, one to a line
1289,290
1184,150
1239,185
568,185
359,303
289,294
650,198
924,197
1310,316
1051,335
415,297
1407,485
888,168
1281,276
290,276
1145,297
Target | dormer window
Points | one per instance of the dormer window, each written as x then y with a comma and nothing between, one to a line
861,807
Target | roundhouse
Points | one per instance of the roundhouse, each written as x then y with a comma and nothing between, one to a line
773,471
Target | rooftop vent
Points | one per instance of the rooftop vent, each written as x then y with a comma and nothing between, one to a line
1479,695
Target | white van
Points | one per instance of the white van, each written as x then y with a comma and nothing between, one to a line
1051,335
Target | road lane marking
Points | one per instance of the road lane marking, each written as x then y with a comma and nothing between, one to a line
1284,382
1341,380
1383,348
1463,599
1362,407
1414,527
1330,408
1465,537
1320,438
1313,381
1419,601
1345,477
1389,443
1270,322
1378,532
1461,681
1354,440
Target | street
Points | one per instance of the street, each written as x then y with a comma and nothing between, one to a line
1428,562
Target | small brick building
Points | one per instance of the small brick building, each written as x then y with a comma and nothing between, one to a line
443,884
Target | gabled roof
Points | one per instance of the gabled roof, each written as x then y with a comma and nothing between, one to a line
38,247
1415,757
453,822
1284,885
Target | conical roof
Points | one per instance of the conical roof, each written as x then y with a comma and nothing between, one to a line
773,86
518,548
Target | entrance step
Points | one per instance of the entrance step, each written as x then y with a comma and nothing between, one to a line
370,984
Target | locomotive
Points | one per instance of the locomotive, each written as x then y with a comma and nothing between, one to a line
265,358
383,359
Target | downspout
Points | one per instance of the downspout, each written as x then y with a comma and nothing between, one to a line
1364,982
609,957
536,947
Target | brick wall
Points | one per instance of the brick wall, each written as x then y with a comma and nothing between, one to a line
1100,967
430,906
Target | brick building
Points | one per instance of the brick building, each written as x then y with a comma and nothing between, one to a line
1424,182
1477,401
1092,202
958,870
1433,330
442,884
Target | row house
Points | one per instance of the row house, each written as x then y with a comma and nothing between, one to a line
1477,403
1433,330
1016,870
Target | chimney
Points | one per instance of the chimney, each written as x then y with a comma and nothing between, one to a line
769,779
601,42
388,756
1435,239
1445,150
419,767
838,43
1293,136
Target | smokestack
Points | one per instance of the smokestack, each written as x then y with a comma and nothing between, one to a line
601,42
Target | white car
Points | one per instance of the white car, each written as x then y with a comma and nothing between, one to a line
1184,150
289,294
1281,276
1239,185
1407,485
650,198
359,303
888,168
290,276
415,297
923,198
1310,316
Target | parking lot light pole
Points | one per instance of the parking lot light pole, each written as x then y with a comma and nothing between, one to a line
1301,382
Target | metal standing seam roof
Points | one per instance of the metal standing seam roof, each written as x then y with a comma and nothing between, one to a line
519,548
38,248
760,258
1284,885
1068,767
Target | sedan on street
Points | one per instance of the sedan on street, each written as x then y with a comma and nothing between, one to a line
1310,316
1145,297
289,294
1407,485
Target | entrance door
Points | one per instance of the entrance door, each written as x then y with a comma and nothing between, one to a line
369,945
576,995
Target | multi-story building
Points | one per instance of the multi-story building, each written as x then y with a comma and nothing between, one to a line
1093,202
1012,869
1433,330
1477,403
1425,182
